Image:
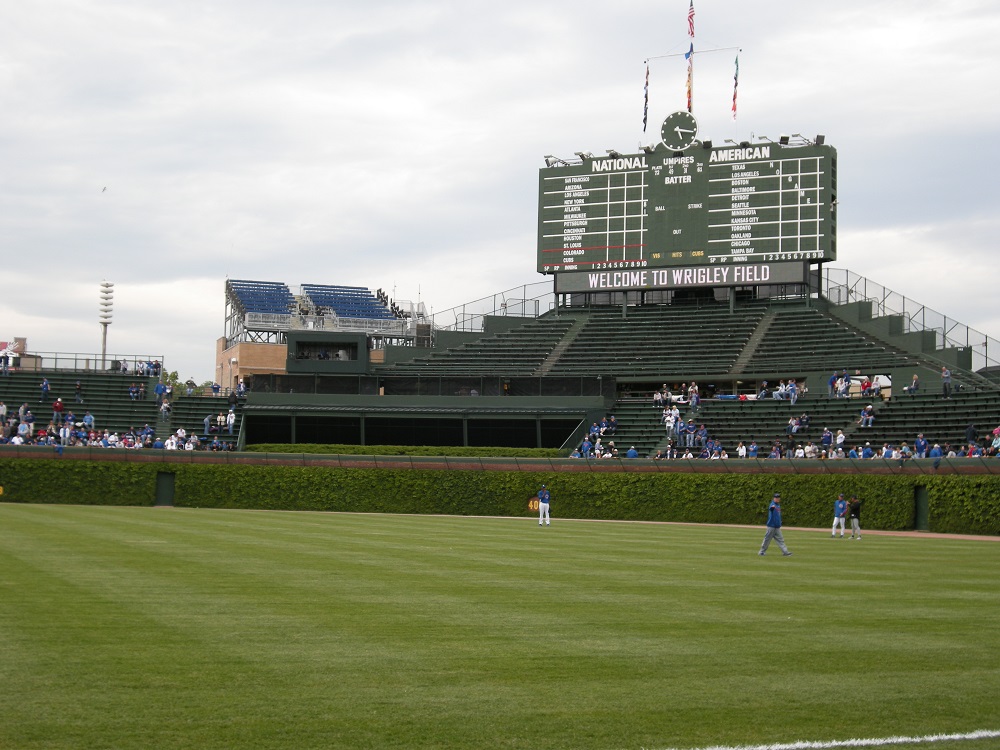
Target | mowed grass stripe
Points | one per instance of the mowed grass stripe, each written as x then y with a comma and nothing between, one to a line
179,628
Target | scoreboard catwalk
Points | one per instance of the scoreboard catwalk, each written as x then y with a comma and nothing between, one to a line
761,203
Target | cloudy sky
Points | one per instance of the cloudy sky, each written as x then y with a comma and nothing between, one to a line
166,146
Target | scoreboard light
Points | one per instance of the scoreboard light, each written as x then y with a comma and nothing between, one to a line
684,202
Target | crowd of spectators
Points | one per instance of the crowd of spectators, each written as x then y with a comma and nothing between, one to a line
68,429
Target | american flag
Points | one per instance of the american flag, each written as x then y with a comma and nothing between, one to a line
691,19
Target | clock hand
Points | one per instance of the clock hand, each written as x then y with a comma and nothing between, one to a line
680,130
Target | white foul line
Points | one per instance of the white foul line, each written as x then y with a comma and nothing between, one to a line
980,734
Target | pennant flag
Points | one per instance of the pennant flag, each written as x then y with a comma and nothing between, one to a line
736,83
691,20
645,103
689,56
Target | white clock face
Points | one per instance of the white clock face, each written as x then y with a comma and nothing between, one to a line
679,131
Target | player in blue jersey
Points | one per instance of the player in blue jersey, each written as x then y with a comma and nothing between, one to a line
839,514
543,506
774,527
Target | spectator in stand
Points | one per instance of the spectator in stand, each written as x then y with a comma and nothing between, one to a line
159,389
831,385
839,440
845,385
741,450
866,387
208,424
914,385
586,448
690,430
79,392
946,382
44,386
133,391
190,386
971,433
790,444
868,416
793,391
920,446
88,421
867,451
57,411
241,389
780,392
752,449
612,425
165,410
632,453
826,439
763,392
657,400
855,452
876,389
701,435
220,422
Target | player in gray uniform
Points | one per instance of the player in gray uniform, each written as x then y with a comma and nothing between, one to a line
774,527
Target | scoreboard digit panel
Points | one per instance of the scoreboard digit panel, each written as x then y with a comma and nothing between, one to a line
760,203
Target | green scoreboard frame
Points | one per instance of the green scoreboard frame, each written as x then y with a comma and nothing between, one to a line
759,203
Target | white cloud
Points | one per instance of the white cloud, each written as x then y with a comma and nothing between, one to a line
397,144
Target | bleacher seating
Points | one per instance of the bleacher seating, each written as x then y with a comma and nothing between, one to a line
269,297
657,340
802,339
520,351
940,420
348,301
105,395
189,412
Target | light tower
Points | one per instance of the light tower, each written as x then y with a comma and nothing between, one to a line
107,308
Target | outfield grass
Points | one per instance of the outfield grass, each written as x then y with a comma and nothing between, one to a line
160,628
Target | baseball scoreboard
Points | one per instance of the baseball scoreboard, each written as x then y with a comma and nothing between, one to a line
687,203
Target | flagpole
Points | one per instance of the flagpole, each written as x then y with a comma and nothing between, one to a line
690,91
